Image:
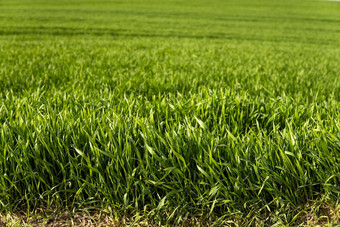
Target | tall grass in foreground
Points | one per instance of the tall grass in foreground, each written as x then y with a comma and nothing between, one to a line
212,151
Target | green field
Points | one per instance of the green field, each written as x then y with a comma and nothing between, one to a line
171,112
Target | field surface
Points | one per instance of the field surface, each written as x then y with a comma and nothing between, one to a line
171,112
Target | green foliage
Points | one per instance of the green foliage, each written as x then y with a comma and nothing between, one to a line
206,108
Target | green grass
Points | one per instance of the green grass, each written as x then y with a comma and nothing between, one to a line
171,111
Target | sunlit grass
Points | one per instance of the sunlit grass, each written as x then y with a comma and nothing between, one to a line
212,117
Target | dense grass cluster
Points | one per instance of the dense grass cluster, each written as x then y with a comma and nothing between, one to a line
220,109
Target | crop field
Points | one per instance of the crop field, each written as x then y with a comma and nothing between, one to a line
171,112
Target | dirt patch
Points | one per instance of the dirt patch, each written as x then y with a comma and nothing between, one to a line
61,220
317,213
